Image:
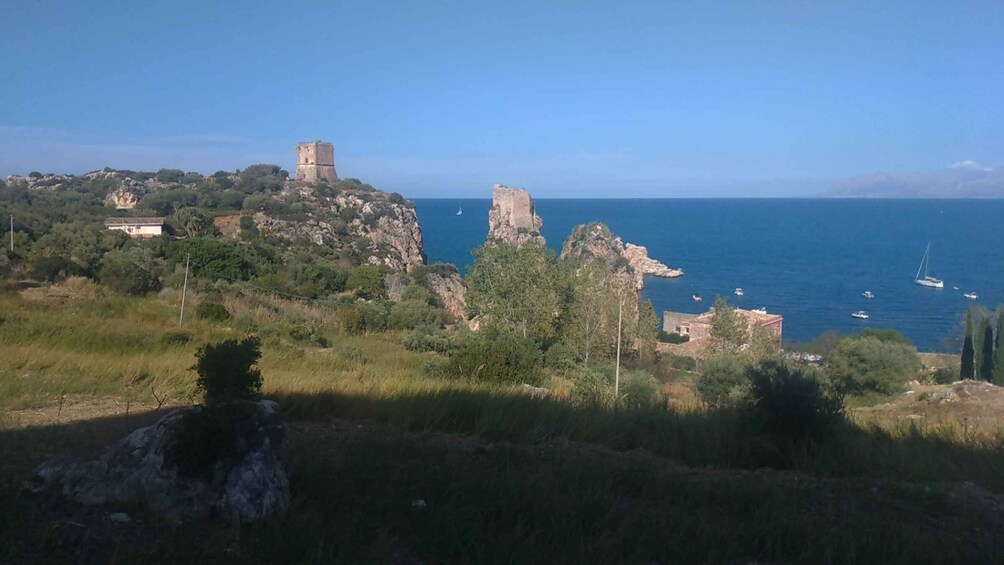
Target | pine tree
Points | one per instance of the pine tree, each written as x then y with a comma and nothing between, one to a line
968,370
987,354
998,372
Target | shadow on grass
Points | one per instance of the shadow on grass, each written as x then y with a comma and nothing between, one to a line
525,489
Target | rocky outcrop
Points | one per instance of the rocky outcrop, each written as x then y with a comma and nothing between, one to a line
368,225
513,217
129,193
451,290
136,472
643,265
595,242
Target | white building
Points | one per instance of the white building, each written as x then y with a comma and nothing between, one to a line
137,227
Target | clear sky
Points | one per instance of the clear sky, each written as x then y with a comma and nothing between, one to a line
444,98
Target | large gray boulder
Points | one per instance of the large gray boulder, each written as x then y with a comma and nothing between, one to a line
251,486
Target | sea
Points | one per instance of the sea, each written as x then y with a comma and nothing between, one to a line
809,260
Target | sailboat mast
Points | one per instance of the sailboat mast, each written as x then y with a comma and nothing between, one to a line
923,262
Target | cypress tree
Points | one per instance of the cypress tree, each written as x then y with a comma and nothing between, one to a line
998,371
987,355
968,352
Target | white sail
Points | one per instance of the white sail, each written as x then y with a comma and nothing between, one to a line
928,280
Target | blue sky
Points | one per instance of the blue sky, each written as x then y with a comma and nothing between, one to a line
444,98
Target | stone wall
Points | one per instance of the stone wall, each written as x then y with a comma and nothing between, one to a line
513,217
315,160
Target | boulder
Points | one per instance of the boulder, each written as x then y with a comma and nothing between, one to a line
136,471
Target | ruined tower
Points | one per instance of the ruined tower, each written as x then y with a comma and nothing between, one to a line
315,160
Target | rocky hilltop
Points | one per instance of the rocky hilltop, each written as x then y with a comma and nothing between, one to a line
513,217
595,242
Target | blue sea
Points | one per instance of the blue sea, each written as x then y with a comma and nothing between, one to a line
807,259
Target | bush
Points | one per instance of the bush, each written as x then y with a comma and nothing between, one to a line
638,389
427,338
501,359
132,271
559,356
366,281
206,437
723,382
304,331
350,321
212,311
409,314
596,384
793,402
673,337
227,371
679,362
868,364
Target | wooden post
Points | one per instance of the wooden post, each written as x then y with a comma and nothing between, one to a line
184,292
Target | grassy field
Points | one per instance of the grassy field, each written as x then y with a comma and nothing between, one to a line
506,477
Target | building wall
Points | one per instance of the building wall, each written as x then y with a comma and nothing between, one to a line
140,231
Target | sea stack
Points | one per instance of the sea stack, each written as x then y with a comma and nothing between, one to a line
513,217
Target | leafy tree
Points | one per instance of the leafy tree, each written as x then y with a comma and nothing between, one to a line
516,290
589,324
192,221
227,371
723,381
408,314
212,311
793,401
729,330
134,270
500,359
366,281
648,330
259,178
170,175
212,259
863,364
79,243
885,334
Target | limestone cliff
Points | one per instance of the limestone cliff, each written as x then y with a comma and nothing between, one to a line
450,289
595,242
513,217
644,265
366,224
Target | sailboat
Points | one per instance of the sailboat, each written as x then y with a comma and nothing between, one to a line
460,210
927,280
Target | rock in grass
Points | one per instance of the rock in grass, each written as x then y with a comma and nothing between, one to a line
244,478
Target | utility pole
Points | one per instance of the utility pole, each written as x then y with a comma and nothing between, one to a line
12,233
184,292
617,371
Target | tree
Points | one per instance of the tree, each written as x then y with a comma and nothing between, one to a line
131,271
170,175
998,371
868,364
589,321
987,353
516,290
729,330
227,371
968,366
723,381
366,281
193,221
648,329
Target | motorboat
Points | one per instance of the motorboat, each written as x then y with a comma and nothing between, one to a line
955,288
927,280
739,292
761,310
971,295
696,297
860,314
868,294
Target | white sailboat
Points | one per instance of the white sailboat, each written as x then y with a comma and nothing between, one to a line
927,280
460,210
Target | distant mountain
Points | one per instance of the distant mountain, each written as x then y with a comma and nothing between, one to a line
966,180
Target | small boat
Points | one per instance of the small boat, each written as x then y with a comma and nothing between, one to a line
460,211
739,292
927,281
761,310
868,294
860,314
955,288
696,297
971,295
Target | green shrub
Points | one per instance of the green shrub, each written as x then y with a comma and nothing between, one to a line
130,271
723,382
500,359
409,314
638,389
868,364
366,281
350,321
227,371
559,356
304,331
212,311
207,437
679,362
427,338
673,337
596,385
793,402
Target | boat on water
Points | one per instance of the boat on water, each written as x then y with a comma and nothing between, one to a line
860,314
739,292
868,294
761,310
928,280
971,295
696,297
955,288
460,211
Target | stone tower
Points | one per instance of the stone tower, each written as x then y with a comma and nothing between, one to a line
315,160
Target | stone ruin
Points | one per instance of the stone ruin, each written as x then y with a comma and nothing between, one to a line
513,217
